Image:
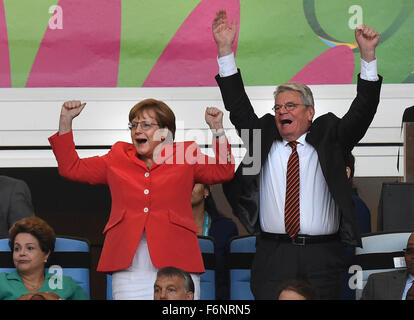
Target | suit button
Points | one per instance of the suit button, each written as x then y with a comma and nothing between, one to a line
146,191
146,174
146,210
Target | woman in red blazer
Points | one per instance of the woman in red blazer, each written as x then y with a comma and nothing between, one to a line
151,223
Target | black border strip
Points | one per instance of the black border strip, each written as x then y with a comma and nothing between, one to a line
65,259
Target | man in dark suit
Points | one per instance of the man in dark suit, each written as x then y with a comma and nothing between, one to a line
393,285
304,236
15,203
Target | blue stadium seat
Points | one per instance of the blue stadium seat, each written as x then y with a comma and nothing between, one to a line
378,253
208,278
6,260
109,287
241,253
71,254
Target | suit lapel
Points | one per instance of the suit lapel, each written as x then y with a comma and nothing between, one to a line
397,286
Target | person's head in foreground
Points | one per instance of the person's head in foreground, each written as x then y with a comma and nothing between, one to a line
296,290
173,284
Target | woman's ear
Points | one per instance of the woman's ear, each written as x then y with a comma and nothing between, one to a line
161,134
164,134
206,192
47,256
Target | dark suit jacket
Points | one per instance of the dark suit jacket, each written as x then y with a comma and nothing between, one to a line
385,286
332,137
15,203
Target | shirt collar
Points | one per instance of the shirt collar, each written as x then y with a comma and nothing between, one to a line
301,140
14,275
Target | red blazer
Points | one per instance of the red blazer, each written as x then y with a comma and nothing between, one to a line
155,199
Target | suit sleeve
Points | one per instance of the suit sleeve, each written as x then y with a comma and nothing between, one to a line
212,170
88,170
368,293
354,124
235,99
20,203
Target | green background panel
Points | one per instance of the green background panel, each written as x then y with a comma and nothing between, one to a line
392,19
147,27
275,41
27,21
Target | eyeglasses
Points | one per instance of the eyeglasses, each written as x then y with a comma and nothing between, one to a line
145,125
409,251
288,106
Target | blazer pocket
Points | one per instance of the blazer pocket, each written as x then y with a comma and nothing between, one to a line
114,219
182,222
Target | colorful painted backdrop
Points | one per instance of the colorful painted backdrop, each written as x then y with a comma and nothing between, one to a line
158,43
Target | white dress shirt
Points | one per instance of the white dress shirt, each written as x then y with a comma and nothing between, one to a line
408,285
319,214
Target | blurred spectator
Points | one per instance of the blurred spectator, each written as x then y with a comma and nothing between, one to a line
296,290
173,284
393,285
362,211
210,222
15,203
32,241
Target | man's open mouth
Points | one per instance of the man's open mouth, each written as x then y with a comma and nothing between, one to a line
286,121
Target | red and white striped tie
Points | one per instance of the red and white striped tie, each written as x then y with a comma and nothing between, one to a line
292,208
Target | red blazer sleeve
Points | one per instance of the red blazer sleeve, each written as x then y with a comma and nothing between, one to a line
218,169
88,170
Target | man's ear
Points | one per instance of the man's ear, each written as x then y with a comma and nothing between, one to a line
311,113
189,295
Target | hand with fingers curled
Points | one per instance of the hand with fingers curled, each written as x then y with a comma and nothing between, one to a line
40,296
214,119
367,39
70,110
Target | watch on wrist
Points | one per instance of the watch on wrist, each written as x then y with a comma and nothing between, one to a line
218,134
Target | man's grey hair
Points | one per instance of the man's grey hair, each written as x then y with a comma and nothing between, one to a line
304,90
173,271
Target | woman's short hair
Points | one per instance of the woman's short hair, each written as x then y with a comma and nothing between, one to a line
38,228
163,114
304,90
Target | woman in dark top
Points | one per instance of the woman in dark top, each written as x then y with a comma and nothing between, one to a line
210,222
